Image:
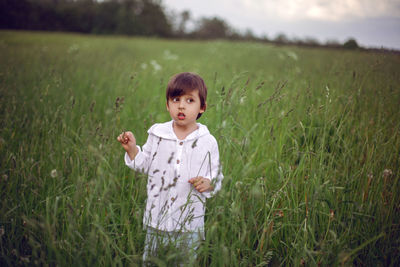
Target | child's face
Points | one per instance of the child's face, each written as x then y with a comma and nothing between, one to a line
185,108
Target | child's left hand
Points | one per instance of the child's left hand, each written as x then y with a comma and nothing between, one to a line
201,184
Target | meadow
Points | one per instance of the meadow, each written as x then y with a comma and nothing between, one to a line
309,142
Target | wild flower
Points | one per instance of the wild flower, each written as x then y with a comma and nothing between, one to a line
169,56
73,49
157,67
53,173
292,55
238,184
387,172
143,66
25,259
5,177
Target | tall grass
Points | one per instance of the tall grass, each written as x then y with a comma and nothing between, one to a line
309,141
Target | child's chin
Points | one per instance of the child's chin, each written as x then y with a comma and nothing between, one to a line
181,122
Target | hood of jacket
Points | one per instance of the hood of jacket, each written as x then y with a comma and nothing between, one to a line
165,130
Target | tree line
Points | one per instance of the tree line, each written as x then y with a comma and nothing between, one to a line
129,17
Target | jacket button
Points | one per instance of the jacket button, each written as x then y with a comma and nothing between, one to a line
177,162
181,143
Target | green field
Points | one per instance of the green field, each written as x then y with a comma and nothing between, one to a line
309,141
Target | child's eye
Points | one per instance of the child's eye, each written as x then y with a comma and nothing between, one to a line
190,100
175,99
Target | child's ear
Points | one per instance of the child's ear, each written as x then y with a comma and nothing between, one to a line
166,103
202,109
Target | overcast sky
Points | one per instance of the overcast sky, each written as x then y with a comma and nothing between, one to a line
373,23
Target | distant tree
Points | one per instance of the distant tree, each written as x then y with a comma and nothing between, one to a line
298,41
13,14
351,44
184,18
264,38
126,17
249,35
153,20
311,41
281,38
105,20
332,43
76,16
140,17
212,28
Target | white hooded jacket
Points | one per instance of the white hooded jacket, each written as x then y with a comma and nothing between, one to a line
173,204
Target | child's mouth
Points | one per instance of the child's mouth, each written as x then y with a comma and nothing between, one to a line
181,116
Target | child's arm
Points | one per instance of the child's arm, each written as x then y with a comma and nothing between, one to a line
128,142
136,158
210,184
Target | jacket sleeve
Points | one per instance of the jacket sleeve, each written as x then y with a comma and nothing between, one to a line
141,162
216,172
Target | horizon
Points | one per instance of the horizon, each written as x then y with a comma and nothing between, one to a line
373,24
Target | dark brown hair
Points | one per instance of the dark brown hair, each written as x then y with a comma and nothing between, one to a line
184,82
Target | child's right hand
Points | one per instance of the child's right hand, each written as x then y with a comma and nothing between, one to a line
128,142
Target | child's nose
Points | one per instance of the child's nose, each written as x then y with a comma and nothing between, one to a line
181,104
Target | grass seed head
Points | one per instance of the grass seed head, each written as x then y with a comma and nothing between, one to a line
53,173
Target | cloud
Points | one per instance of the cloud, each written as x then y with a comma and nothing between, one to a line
325,10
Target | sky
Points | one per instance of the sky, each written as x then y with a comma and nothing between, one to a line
373,23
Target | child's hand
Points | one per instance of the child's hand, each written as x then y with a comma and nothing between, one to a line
201,184
128,142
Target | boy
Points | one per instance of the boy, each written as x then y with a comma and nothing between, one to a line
181,160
